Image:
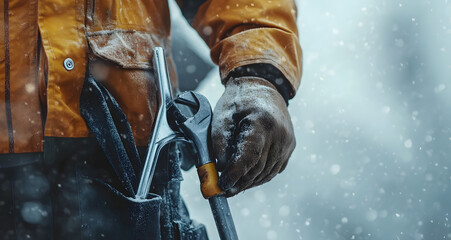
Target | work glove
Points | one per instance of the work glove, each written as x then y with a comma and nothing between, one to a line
252,134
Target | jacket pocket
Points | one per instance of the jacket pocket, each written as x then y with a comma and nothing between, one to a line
108,214
127,48
125,31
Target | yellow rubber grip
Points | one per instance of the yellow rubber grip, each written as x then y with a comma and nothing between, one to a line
208,177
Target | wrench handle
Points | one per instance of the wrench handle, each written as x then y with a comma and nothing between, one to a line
223,217
208,177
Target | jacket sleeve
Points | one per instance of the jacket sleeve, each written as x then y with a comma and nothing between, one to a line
248,32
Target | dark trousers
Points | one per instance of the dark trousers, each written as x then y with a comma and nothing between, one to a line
71,192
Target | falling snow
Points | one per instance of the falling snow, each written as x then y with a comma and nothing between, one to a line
372,125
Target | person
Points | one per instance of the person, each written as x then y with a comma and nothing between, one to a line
49,159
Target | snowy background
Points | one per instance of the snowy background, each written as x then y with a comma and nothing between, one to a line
373,127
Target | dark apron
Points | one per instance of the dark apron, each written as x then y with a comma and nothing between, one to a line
76,191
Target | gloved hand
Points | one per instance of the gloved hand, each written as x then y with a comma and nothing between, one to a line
252,134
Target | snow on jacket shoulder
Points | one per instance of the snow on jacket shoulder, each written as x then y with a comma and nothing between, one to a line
244,32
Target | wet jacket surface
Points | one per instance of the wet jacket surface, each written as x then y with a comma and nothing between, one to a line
112,40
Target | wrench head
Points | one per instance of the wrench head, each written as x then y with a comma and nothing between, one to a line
190,109
190,113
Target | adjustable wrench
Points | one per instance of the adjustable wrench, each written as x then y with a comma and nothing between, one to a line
194,123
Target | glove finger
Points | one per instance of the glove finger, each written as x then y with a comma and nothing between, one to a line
248,149
283,167
271,161
278,155
277,168
273,172
247,180
268,177
288,155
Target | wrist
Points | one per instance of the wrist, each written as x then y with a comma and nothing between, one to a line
269,73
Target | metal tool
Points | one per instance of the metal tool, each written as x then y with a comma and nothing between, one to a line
195,122
162,133
186,118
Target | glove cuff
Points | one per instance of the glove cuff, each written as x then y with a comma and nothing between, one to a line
267,72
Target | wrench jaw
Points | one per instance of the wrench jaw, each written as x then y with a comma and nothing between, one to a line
191,113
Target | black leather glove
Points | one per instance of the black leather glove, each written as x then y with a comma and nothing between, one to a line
252,134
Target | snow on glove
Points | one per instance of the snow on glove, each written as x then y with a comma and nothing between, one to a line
252,134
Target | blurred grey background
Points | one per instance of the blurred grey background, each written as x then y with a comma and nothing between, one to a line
372,120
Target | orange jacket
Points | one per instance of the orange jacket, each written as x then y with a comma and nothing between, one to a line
112,39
